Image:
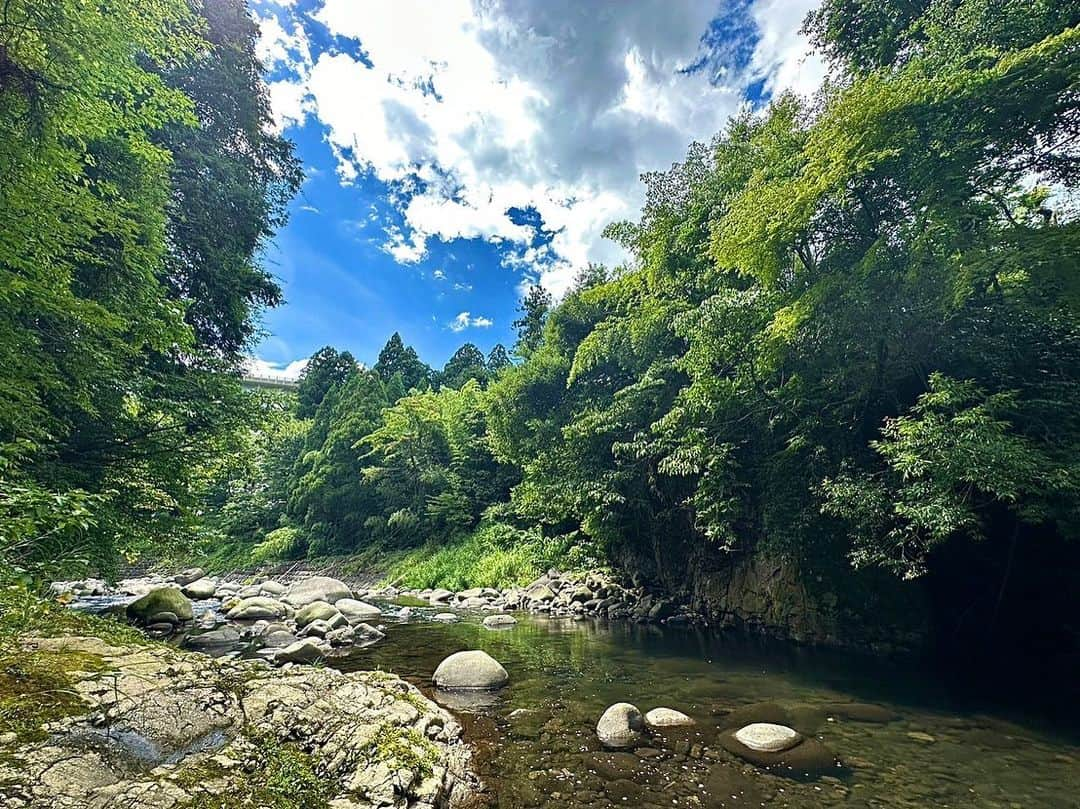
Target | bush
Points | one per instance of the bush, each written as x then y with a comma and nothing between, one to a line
494,555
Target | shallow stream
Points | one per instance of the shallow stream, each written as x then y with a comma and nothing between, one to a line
944,748
904,736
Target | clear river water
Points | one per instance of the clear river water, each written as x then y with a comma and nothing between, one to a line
905,739
903,735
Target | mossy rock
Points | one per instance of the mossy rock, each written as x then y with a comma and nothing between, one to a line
165,599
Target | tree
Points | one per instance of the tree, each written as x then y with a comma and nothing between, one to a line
397,358
129,415
326,368
466,363
231,180
530,326
498,359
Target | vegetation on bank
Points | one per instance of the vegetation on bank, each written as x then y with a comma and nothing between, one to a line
37,686
847,329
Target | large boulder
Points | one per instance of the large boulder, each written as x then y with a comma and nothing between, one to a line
163,599
315,611
317,588
200,588
356,611
471,669
620,725
258,608
500,621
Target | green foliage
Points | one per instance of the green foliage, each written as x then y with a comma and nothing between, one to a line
467,363
530,326
430,467
324,370
396,360
494,555
951,465
137,183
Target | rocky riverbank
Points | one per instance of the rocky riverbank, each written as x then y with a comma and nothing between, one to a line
154,727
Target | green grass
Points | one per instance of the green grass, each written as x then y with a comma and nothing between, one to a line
495,555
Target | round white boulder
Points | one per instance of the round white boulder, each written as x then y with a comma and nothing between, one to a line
620,725
766,737
472,669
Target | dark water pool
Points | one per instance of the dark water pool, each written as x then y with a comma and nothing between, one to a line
536,743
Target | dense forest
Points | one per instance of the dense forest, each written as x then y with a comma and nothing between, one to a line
847,329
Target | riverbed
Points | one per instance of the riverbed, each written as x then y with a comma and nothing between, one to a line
904,739
898,733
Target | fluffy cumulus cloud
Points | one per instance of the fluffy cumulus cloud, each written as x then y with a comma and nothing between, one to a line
274,370
466,321
471,111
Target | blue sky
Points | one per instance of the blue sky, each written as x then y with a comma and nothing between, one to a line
458,151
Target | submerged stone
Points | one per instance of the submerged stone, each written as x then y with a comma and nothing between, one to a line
768,738
667,718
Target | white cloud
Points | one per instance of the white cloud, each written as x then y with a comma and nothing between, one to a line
465,321
275,370
439,275
470,109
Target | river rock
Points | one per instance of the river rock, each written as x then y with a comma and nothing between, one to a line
315,611
540,592
225,636
446,618
356,611
255,609
470,669
164,617
620,725
185,577
501,621
440,596
367,633
342,636
163,599
809,758
200,588
279,639
306,650
272,588
765,737
667,718
191,722
316,588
